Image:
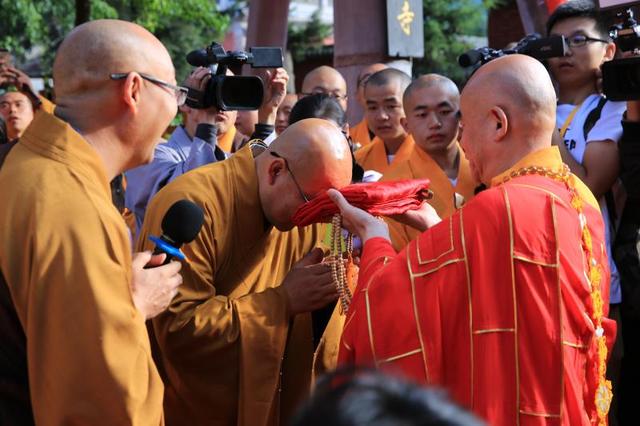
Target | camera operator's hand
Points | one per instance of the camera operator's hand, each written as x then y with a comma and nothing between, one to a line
275,89
198,80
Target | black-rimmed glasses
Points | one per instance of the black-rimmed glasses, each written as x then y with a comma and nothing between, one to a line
286,164
580,40
335,95
179,92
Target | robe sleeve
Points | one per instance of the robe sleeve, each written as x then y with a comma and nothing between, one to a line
85,339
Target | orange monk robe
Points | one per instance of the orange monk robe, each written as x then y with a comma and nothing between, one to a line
230,350
491,304
225,141
360,133
374,155
420,165
66,256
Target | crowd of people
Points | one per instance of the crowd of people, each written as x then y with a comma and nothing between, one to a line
509,297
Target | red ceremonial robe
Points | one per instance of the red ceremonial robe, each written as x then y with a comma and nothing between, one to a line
492,303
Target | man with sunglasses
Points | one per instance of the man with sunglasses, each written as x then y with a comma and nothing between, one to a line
74,348
236,343
589,125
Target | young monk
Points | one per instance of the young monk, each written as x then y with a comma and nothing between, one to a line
383,96
431,105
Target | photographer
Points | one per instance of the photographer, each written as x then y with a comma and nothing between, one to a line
589,126
195,143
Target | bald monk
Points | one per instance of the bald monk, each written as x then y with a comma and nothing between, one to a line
384,112
361,134
503,304
432,104
75,349
236,342
327,80
195,143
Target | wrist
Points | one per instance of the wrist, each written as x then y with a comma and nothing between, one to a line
373,229
267,115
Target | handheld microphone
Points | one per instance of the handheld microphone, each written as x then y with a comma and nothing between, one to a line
181,224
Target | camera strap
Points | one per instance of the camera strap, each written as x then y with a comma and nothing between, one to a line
569,119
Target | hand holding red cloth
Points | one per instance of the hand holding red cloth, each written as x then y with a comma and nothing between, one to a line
377,198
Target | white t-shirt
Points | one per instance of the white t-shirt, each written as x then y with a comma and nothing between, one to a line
608,126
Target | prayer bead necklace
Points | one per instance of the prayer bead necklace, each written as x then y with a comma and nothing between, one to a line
341,273
603,394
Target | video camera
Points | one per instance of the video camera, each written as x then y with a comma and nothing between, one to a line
532,45
621,77
229,93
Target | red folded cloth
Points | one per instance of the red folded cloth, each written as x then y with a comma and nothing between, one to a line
378,198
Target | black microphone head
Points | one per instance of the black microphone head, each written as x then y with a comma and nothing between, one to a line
182,222
469,58
198,58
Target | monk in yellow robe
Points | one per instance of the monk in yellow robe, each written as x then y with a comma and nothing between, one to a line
73,301
504,303
361,134
327,80
432,104
236,342
383,95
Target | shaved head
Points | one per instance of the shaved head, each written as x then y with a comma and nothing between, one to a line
508,111
364,75
95,49
318,157
328,80
107,76
387,77
431,105
428,81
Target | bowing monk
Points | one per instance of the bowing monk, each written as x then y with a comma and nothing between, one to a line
503,304
432,105
75,349
383,95
361,133
236,343
327,80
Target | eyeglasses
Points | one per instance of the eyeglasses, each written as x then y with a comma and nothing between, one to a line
580,40
286,164
179,92
334,95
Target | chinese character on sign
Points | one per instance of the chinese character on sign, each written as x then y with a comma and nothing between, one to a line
406,18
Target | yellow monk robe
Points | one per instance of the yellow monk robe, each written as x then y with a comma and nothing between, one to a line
360,133
223,340
374,155
420,165
66,256
225,142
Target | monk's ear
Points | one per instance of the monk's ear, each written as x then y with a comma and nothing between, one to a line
403,121
275,170
500,121
131,91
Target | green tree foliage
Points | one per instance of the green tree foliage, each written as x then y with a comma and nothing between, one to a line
304,37
182,25
446,23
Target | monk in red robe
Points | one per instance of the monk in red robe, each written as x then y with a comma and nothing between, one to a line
504,303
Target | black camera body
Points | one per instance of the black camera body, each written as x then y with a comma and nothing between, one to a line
621,77
532,45
229,93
